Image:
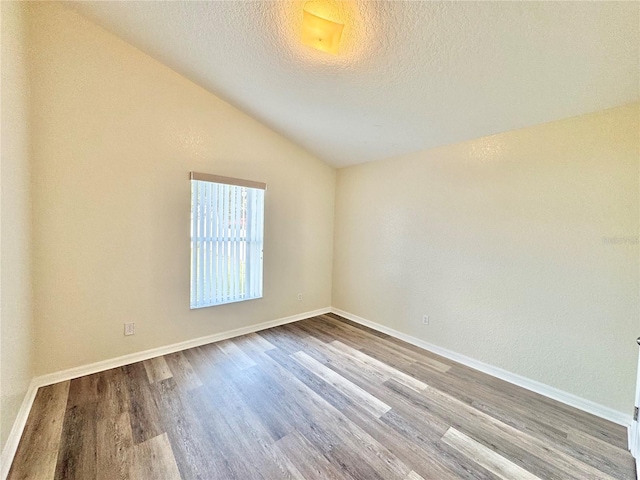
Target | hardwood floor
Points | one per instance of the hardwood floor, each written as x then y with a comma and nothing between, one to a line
318,399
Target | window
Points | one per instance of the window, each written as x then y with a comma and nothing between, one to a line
227,236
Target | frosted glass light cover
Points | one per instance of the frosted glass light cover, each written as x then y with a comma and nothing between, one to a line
320,33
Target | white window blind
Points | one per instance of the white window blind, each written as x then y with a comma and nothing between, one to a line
227,236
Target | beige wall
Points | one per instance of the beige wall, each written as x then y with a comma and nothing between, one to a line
115,135
521,247
15,229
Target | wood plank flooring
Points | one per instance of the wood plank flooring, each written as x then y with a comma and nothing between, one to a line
322,398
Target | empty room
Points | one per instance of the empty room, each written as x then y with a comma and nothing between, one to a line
350,240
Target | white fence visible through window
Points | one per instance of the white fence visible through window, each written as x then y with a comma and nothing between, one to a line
227,236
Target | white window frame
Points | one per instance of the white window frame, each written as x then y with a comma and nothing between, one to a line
227,240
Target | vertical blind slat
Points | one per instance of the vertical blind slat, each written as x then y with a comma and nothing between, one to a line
219,246
249,232
232,234
240,273
209,243
260,242
254,244
199,245
225,235
203,243
213,243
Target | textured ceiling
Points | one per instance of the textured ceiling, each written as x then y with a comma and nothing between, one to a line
409,75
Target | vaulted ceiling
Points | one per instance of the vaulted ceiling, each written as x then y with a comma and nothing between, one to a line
410,75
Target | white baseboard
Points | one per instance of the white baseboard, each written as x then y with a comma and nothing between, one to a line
9,450
554,393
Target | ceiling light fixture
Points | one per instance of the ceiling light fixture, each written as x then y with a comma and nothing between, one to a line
320,33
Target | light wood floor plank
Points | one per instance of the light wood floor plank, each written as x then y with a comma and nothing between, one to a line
112,393
395,348
38,449
304,456
509,441
157,369
616,455
307,328
182,371
486,457
326,353
184,430
77,455
153,460
237,356
434,364
374,364
545,410
258,343
328,428
585,448
376,407
255,441
218,439
413,476
388,353
330,433
400,427
84,390
114,448
536,447
281,338
146,419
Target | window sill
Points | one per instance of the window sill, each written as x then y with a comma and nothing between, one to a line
197,307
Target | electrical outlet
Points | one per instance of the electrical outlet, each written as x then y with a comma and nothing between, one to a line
129,328
299,297
425,319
